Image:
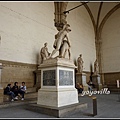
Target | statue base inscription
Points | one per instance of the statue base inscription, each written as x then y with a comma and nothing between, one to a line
57,83
81,78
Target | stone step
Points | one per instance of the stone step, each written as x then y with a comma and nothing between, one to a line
29,95
111,84
31,89
113,90
112,87
18,102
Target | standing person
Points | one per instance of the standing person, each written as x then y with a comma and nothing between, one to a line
22,90
80,64
8,91
15,90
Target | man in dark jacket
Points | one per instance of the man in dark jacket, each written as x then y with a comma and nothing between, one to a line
15,90
8,91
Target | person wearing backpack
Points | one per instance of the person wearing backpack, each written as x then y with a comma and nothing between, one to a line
8,91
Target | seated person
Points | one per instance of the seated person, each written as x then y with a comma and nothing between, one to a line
90,85
79,87
22,90
15,89
7,91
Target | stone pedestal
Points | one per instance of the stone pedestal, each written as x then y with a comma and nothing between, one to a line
81,78
1,95
96,81
37,82
57,83
1,89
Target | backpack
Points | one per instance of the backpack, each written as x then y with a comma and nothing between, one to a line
5,91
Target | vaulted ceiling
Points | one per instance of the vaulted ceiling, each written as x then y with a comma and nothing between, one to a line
99,13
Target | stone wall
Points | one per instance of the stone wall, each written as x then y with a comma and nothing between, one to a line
111,78
82,36
24,28
111,44
17,72
24,31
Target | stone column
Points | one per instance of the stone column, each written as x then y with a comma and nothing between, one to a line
81,78
60,17
1,89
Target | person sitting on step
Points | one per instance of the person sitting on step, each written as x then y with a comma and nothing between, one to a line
79,87
8,91
15,90
22,90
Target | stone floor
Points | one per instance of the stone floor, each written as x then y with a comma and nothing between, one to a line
108,106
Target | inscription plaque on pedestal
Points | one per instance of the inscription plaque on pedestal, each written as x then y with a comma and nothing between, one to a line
49,78
65,77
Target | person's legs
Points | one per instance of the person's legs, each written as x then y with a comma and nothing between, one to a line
93,85
11,94
58,45
69,52
16,93
80,90
89,88
22,93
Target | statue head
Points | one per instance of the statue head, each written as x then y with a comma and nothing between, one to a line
45,44
80,55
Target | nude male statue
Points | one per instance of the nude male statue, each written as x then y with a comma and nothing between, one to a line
59,38
65,47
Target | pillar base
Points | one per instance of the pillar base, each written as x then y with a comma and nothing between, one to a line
81,78
96,81
57,83
1,94
57,111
